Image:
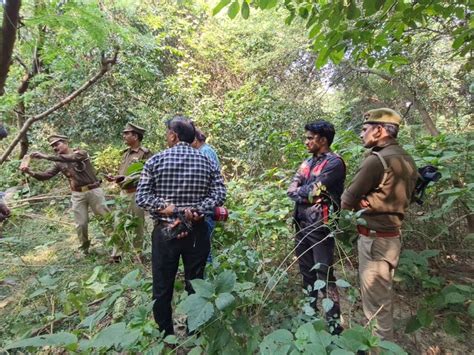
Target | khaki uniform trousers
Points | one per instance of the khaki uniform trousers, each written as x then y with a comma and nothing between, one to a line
81,201
378,258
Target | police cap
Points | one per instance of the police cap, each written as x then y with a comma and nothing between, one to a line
382,115
130,127
56,138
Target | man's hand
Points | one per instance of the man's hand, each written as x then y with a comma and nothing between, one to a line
364,203
182,234
168,211
192,216
38,155
26,170
112,178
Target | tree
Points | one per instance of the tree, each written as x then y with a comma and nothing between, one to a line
370,30
11,14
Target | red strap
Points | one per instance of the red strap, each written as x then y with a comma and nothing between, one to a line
367,232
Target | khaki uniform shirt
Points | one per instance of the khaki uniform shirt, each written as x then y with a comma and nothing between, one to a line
388,202
76,166
131,156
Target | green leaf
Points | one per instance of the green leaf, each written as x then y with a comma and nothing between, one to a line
412,325
58,339
322,58
454,298
199,310
319,284
130,280
225,281
425,317
220,6
245,10
108,337
203,288
342,283
451,326
224,300
369,7
315,30
327,304
233,9
341,352
133,168
271,4
394,348
352,11
277,342
470,310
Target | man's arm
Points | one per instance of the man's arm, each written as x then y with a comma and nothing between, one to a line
366,180
217,191
78,155
146,194
41,176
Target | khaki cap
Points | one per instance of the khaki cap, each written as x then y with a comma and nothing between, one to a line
56,138
382,115
130,127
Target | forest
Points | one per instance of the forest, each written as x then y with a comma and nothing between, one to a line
250,74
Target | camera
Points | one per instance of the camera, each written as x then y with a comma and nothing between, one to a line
216,214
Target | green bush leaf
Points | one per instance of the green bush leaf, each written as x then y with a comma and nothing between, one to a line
394,348
425,317
412,325
341,352
454,298
327,304
58,339
342,283
130,280
224,300
245,10
470,310
203,288
199,310
451,326
225,281
233,9
277,342
220,6
319,284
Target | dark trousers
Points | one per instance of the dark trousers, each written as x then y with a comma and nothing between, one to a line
194,249
312,247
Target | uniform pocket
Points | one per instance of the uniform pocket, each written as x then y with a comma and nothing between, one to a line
386,249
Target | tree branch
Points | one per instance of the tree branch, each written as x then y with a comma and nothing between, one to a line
107,64
406,93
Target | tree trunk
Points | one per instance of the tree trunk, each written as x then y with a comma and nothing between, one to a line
11,14
107,63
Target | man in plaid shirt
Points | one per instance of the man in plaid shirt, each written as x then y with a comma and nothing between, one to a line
179,177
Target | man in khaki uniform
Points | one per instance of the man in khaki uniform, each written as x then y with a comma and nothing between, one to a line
383,187
132,136
75,164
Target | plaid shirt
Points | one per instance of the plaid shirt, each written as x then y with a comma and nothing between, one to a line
180,175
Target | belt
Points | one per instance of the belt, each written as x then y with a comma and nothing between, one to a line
85,188
130,190
369,232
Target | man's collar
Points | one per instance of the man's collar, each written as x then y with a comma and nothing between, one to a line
386,143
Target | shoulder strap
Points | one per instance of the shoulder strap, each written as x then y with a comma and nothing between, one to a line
385,170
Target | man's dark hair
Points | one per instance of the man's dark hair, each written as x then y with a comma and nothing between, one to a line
183,127
200,136
323,129
3,132
139,136
392,129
